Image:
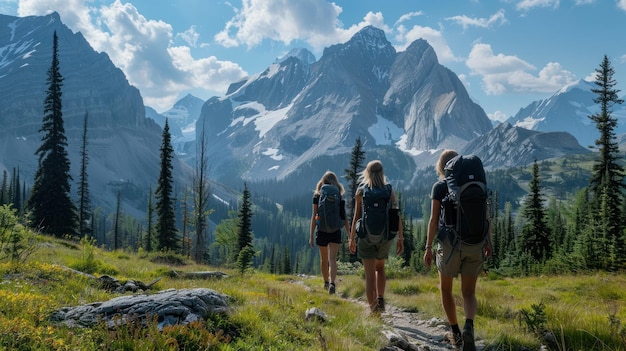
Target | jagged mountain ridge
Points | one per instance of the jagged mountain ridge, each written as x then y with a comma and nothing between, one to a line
568,110
509,146
123,145
271,124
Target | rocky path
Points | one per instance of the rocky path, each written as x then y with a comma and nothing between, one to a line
407,331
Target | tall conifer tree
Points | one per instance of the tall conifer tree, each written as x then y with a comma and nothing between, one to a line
245,251
245,221
201,196
167,236
352,177
51,207
535,239
84,201
607,180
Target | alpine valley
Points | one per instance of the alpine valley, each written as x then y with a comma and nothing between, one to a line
286,125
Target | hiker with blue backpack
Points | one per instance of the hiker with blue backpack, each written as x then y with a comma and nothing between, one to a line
459,224
375,224
327,219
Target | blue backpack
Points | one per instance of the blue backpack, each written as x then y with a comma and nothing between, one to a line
329,209
375,211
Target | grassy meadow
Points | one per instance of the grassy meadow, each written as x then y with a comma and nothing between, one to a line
576,312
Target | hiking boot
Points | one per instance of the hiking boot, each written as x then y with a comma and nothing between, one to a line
380,305
455,339
331,288
468,339
326,285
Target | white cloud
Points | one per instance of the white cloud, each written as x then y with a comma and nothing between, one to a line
190,36
408,16
466,22
432,36
498,116
280,20
525,5
622,4
509,74
142,48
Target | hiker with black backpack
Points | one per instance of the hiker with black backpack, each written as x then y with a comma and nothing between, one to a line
376,222
459,223
327,219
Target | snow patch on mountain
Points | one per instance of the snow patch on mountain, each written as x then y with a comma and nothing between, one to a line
385,132
528,122
273,154
263,120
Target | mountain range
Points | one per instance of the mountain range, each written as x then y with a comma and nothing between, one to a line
300,114
291,122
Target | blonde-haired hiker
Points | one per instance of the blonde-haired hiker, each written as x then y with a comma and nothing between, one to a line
328,235
373,247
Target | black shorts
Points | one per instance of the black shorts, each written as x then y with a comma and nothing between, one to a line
323,239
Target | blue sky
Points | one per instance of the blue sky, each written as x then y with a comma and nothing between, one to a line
508,53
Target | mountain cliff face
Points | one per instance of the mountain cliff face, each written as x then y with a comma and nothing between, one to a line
271,124
430,102
123,145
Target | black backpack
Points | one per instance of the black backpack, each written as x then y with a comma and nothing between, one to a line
465,206
375,210
329,210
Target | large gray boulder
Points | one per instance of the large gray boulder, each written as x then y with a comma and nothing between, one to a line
171,307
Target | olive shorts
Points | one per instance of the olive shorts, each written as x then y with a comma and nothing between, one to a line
368,248
466,259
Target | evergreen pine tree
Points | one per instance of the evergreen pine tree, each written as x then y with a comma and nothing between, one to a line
352,177
535,238
147,242
116,224
607,180
52,210
17,192
352,173
84,201
166,220
245,252
201,196
4,189
244,226
285,267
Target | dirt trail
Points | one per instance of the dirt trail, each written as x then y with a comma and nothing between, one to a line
420,334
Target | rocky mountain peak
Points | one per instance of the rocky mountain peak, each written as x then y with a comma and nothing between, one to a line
302,54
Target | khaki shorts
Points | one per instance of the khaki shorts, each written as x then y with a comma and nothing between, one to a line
373,250
466,259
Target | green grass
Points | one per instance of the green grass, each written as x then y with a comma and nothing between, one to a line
583,312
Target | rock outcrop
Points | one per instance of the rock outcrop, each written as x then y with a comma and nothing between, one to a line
170,307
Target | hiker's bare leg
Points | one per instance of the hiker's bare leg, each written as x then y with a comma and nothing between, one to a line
324,262
369,266
468,289
333,248
381,278
447,299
